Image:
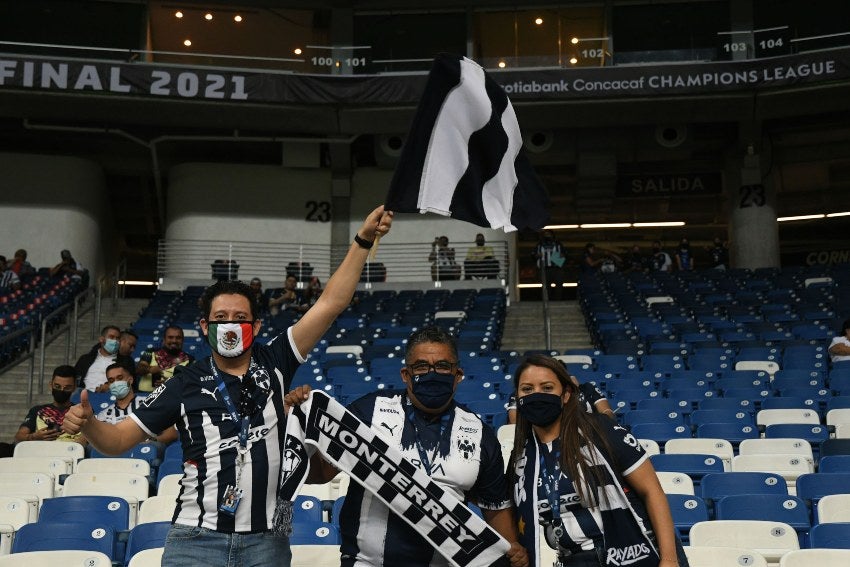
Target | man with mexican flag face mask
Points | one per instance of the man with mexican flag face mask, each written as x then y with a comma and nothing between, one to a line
230,417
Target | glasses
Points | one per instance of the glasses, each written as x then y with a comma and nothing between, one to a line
440,367
59,388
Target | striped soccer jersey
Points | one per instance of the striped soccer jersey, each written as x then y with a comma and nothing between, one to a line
209,437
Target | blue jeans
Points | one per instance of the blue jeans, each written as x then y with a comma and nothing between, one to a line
186,545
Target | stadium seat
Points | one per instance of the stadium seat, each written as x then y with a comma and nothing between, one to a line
158,508
149,535
675,483
789,466
14,513
71,452
834,463
33,487
686,510
65,558
770,539
694,465
131,487
126,465
813,487
307,509
80,535
833,416
650,446
717,485
834,447
720,448
636,416
712,556
789,445
315,555
770,507
169,485
775,416
732,432
832,535
833,508
815,557
105,510
660,432
319,533
147,558
54,466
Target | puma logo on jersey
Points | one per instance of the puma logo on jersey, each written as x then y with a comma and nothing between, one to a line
390,429
209,393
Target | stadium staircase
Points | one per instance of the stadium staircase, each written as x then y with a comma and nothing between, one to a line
14,380
524,327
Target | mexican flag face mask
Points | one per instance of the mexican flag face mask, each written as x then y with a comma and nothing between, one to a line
230,338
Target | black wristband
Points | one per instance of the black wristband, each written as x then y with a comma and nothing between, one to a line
362,242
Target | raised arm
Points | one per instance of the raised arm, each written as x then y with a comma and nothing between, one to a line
340,288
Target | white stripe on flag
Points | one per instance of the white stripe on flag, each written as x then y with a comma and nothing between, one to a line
499,190
466,110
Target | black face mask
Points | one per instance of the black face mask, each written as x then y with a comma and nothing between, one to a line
479,242
540,408
173,351
61,396
433,390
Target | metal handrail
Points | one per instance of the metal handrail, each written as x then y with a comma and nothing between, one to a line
29,355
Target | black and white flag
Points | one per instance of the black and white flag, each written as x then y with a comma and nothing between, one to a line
353,447
463,155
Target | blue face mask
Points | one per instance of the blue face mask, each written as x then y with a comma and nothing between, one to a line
433,390
119,389
111,346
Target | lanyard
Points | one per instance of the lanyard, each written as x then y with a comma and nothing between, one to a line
550,485
245,420
423,455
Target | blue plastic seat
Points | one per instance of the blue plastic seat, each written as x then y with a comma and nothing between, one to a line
727,403
636,416
167,467
814,434
307,509
796,378
736,416
686,510
79,534
104,510
834,464
715,486
771,507
146,536
814,486
732,432
831,536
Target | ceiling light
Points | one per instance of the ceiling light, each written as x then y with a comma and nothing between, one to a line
297,51
178,14
670,223
559,226
187,42
573,60
501,64
607,225
538,21
208,16
844,214
538,286
574,40
237,18
800,217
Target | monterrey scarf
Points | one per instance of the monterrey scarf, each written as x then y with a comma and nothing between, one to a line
322,424
624,539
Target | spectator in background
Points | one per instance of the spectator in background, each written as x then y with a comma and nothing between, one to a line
20,265
839,348
719,255
551,259
120,380
480,260
442,258
660,261
256,286
156,367
313,292
635,262
68,267
289,298
91,367
8,278
44,422
684,258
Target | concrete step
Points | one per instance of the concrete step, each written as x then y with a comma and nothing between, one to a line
524,329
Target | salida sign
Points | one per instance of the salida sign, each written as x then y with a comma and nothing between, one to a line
669,184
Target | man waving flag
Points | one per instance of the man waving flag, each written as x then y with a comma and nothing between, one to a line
463,155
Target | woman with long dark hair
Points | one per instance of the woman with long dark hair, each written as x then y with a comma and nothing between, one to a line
609,506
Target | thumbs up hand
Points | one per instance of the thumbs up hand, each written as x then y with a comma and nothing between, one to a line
78,415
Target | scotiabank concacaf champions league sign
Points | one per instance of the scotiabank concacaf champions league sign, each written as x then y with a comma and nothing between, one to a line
26,72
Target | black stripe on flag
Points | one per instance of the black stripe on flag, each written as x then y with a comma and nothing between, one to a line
463,155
